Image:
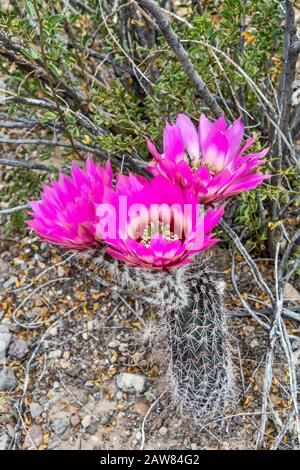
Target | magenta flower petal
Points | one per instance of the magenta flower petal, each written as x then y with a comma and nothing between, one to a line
246,145
152,149
234,135
208,131
173,143
189,135
212,218
246,184
204,174
204,129
215,150
66,215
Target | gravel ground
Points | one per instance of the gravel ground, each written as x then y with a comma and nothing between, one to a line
78,369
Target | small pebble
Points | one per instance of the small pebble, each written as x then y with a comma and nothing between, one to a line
157,422
8,381
39,302
90,325
55,354
34,437
60,425
163,431
123,347
150,397
18,348
75,420
254,343
5,338
131,383
140,408
92,429
86,421
53,331
104,419
66,355
98,396
35,410
89,385
60,271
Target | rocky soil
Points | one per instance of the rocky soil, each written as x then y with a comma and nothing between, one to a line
79,370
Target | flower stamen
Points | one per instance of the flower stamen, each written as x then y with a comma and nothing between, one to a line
157,227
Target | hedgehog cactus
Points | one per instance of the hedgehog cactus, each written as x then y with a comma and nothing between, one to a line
156,252
192,323
200,370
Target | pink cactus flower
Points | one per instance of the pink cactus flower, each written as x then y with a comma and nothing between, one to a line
163,226
66,214
211,160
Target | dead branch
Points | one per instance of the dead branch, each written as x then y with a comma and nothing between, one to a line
278,334
254,269
11,210
291,51
285,108
54,143
181,54
81,119
25,164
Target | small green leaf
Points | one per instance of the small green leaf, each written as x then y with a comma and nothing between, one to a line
29,8
54,69
48,116
30,53
54,20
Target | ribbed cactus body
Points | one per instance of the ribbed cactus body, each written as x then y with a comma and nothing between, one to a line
193,323
200,368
